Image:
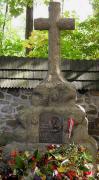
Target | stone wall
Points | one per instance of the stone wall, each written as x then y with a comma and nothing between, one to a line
11,102
15,99
90,101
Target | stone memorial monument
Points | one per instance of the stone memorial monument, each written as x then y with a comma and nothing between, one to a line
54,99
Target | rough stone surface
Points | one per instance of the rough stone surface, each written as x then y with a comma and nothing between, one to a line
14,92
1,95
4,102
53,96
7,109
90,100
11,122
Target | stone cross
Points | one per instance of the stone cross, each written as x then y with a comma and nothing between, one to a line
54,24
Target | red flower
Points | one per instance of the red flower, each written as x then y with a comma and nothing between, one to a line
33,158
59,176
45,161
88,173
51,147
11,162
14,153
54,167
71,174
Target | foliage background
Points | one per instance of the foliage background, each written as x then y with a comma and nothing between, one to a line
82,43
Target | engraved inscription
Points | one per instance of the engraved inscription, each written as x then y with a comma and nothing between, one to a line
50,128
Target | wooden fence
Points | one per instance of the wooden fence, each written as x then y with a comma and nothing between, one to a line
27,72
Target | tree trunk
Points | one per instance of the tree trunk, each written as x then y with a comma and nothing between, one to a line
29,23
4,23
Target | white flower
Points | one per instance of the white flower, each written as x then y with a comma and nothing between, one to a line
65,161
55,173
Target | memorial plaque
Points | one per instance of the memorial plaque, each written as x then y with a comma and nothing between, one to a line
50,128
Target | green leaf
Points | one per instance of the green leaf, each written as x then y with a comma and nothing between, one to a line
83,168
37,155
19,162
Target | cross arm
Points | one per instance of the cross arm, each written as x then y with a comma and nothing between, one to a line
66,24
41,24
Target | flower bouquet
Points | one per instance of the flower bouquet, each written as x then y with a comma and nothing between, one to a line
57,163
